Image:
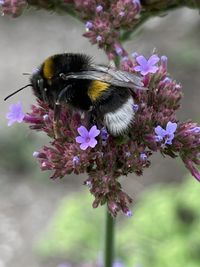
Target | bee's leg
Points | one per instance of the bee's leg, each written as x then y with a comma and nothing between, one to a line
65,95
57,110
91,119
94,118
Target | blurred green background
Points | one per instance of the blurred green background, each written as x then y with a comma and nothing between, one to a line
163,231
42,222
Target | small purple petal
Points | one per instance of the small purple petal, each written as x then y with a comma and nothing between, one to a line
141,60
158,138
153,69
93,132
82,131
88,25
35,154
99,8
99,38
76,160
160,131
16,114
134,54
128,154
104,134
84,146
129,213
195,130
138,68
145,72
137,2
125,58
164,62
154,59
118,49
169,139
166,80
171,127
143,157
80,139
121,13
46,117
92,143
135,107
89,184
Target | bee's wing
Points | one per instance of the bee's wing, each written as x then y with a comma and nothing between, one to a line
108,75
120,75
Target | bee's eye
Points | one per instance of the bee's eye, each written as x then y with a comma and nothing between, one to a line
40,83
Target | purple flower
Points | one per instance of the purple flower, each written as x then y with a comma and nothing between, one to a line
104,134
99,8
46,117
99,38
121,13
129,213
125,58
195,130
88,184
118,49
167,80
135,107
87,138
143,157
128,154
168,134
164,62
134,54
146,66
75,160
16,114
137,2
35,154
89,25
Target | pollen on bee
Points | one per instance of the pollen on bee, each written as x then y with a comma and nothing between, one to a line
96,89
48,68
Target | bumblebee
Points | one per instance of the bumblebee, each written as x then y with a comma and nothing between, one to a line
105,93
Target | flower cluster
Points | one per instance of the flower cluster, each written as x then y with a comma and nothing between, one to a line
13,7
105,20
104,157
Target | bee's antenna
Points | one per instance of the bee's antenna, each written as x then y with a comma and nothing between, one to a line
17,91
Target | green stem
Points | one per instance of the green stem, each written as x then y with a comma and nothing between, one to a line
109,241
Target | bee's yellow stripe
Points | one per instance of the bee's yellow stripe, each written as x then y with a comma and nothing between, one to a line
96,89
48,68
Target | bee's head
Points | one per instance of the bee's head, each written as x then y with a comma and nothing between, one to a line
41,85
38,84
47,83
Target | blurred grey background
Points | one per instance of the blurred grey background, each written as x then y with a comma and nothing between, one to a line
28,198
